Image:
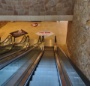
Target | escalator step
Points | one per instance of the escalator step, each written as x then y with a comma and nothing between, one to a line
46,70
49,65
53,68
44,78
46,73
48,76
44,83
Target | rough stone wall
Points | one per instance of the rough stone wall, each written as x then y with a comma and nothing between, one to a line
36,7
78,37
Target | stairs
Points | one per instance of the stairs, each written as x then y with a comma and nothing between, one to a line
46,72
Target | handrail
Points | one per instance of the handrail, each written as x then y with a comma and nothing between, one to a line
61,74
16,52
26,41
83,77
23,39
8,37
29,73
0,39
5,46
68,81
65,73
8,61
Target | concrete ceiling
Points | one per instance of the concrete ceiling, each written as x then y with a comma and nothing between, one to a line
36,7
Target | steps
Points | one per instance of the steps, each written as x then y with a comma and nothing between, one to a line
46,73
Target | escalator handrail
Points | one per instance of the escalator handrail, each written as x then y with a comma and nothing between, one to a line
22,40
65,73
82,76
26,78
6,46
2,65
8,37
26,40
17,51
27,74
62,80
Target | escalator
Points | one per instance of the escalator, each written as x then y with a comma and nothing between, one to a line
47,69
10,42
24,43
9,49
50,71
6,45
14,56
17,67
46,72
43,72
72,74
7,41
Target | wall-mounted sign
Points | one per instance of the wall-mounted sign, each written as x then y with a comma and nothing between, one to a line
18,33
44,33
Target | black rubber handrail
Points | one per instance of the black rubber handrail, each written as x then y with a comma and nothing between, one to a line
8,37
82,76
68,81
23,40
60,69
16,78
6,46
62,80
11,54
23,81
12,47
37,44
7,61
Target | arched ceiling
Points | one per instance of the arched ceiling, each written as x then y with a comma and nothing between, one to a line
36,7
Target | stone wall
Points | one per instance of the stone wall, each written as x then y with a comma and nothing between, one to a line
78,37
36,7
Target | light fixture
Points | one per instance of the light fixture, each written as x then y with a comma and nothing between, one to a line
34,24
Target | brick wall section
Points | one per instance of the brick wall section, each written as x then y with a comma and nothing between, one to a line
36,7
